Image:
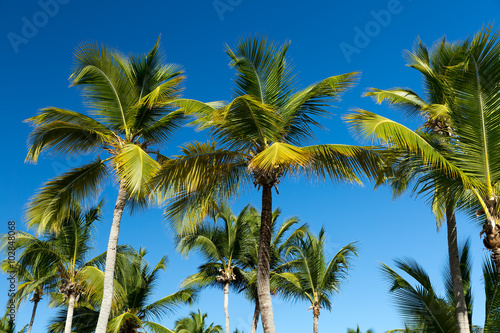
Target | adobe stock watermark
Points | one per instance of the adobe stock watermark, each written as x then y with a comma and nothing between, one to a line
365,34
32,24
11,277
223,6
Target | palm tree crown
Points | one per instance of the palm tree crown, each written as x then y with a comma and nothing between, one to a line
260,138
312,277
129,100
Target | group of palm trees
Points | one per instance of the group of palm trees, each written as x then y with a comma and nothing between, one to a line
258,138
56,265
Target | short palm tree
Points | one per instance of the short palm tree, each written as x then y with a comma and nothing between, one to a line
311,277
8,326
134,311
221,246
71,275
357,330
195,323
34,280
261,137
128,100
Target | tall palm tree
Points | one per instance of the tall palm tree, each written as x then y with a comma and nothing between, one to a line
357,330
134,311
471,162
261,136
128,99
312,277
195,323
221,247
434,65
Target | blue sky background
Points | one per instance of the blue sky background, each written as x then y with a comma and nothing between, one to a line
193,35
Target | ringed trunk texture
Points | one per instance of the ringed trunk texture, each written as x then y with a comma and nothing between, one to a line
256,315
35,304
108,291
316,319
492,240
456,275
69,317
226,305
263,285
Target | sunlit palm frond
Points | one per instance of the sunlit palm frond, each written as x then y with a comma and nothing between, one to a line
304,105
136,168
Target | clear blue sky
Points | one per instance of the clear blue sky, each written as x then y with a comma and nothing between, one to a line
325,41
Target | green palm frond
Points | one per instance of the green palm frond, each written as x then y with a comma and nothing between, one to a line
127,318
104,85
406,99
371,125
169,304
419,304
300,109
262,70
65,132
343,163
245,122
155,327
52,202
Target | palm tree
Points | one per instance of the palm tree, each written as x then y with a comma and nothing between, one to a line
221,247
195,323
64,256
33,279
312,277
133,311
8,326
357,330
128,99
261,135
435,66
471,162
428,312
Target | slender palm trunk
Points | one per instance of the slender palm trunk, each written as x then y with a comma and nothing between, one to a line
35,304
107,297
256,315
456,275
316,319
69,316
263,268
226,305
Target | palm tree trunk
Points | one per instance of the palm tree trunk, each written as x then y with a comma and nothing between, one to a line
35,304
69,316
263,286
492,238
108,291
456,275
226,305
315,323
256,314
